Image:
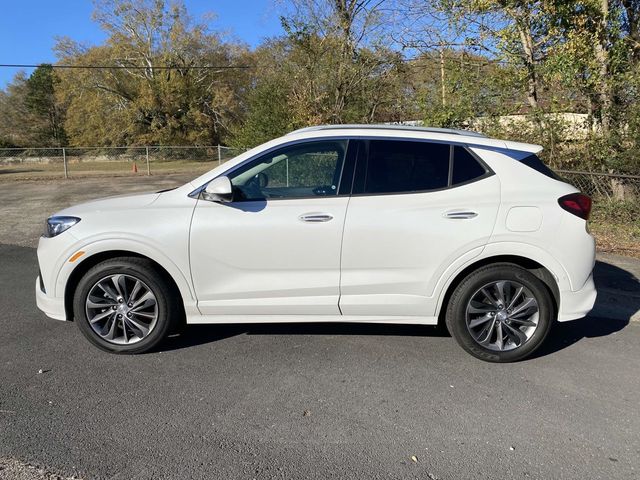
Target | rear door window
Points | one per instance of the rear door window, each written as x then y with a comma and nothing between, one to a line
405,166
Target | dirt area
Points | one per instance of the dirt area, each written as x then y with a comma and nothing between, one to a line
26,204
622,239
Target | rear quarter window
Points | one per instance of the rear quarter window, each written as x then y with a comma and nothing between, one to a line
465,166
533,161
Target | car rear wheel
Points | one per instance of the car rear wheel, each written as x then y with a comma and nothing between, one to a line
500,313
124,305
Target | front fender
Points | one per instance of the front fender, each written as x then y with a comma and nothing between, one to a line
125,242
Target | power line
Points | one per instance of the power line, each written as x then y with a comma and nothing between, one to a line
132,67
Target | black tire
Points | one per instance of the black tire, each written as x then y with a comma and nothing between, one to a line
456,314
169,313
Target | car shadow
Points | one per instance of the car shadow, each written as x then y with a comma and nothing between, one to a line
609,316
565,334
617,301
200,334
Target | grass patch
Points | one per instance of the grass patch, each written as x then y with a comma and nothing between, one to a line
36,171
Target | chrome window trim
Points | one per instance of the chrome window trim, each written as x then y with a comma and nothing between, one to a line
488,171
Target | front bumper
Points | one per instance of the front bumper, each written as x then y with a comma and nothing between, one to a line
51,306
574,305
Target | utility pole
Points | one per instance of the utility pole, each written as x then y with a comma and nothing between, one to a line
64,162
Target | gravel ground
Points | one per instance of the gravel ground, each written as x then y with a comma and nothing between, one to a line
11,469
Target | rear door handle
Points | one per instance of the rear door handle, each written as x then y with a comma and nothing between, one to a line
460,214
315,217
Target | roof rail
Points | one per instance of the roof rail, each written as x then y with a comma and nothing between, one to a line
381,126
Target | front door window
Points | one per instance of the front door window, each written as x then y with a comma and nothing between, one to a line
299,171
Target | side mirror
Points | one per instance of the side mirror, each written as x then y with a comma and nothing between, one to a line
218,190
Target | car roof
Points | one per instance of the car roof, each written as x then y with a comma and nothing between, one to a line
382,126
466,137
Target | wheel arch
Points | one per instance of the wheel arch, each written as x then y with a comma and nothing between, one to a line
536,268
83,267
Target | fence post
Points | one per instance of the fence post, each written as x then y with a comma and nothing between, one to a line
219,155
64,162
148,168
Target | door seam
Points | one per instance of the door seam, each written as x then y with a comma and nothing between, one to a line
344,226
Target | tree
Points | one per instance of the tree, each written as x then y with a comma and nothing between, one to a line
191,102
328,68
31,115
453,87
266,113
14,126
519,32
344,72
47,119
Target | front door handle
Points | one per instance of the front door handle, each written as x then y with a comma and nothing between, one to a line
315,217
460,214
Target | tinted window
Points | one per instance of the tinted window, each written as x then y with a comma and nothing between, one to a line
303,170
534,162
397,166
465,166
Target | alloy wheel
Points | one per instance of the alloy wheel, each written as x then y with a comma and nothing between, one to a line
121,309
502,315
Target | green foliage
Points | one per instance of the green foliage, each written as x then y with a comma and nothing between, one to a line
320,74
31,114
267,116
41,103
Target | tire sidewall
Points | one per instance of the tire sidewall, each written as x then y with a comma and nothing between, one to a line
145,274
456,311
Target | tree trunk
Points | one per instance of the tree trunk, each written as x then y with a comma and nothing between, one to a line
442,78
345,10
605,92
526,40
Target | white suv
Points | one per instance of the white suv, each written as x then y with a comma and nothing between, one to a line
348,223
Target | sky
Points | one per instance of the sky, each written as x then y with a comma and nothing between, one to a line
28,28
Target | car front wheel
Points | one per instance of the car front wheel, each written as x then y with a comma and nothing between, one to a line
124,305
500,313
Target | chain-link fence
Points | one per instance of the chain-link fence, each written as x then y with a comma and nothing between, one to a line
24,163
604,186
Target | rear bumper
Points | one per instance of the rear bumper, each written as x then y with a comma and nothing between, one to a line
574,305
51,306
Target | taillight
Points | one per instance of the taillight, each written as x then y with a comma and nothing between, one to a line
577,203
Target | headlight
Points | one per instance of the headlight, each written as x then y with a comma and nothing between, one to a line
57,225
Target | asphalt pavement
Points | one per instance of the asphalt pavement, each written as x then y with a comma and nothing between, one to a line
320,401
